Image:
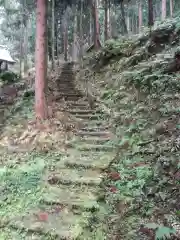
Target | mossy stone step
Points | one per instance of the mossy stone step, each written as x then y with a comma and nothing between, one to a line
99,161
94,147
94,129
74,176
94,123
80,111
89,116
70,97
59,223
92,139
95,133
68,91
80,102
71,94
82,196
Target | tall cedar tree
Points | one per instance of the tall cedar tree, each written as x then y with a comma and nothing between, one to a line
41,60
150,13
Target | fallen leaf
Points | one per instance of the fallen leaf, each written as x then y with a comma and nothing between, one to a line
43,216
115,176
113,189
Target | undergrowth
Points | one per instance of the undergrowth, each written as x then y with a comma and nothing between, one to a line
140,91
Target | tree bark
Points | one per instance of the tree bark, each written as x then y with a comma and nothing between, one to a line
90,27
140,15
21,61
150,13
74,47
53,33
123,20
106,20
65,42
96,25
81,30
41,60
171,8
163,13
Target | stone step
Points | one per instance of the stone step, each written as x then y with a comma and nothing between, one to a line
67,71
79,107
70,97
68,92
67,88
94,123
74,176
95,133
89,140
89,116
94,129
93,147
77,197
57,223
72,94
78,103
67,80
95,140
80,111
95,161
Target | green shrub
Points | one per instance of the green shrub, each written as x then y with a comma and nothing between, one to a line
9,77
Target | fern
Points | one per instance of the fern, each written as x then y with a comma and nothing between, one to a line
161,232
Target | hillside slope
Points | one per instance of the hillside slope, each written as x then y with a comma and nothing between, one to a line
137,79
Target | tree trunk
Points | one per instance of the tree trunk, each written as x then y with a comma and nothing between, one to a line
74,47
21,61
163,15
81,30
106,20
123,20
150,13
109,23
53,33
96,25
26,37
140,15
65,42
128,23
171,8
41,61
90,27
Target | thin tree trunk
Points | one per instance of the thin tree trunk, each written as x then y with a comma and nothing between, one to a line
96,26
109,23
21,62
140,15
74,47
106,20
171,8
90,27
53,33
41,60
163,15
123,20
150,14
65,42
26,37
81,30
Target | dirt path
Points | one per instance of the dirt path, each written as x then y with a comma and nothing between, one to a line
72,186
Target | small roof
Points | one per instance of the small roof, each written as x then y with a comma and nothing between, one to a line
5,55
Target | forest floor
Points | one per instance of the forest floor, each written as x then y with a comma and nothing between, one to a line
51,172
137,80
111,172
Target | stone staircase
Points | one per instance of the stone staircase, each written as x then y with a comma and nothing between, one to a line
72,185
